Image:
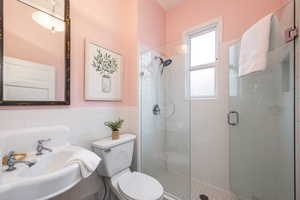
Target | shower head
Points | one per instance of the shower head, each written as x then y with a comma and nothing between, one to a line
164,63
167,62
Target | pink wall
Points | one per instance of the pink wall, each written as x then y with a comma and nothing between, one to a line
130,49
238,15
112,24
120,25
151,24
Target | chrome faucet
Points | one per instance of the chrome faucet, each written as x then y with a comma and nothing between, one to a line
40,147
11,161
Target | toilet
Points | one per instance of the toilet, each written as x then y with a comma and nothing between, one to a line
116,158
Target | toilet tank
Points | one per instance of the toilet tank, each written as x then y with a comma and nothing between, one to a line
116,155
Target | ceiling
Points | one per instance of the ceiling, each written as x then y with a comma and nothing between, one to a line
168,4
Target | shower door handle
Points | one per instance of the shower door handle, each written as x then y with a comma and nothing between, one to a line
233,118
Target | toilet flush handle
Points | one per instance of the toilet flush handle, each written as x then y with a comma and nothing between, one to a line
107,150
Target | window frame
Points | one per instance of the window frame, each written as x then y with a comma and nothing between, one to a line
188,36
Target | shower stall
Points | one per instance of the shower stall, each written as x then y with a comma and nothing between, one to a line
239,145
165,118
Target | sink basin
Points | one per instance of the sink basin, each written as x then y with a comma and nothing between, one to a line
49,177
51,163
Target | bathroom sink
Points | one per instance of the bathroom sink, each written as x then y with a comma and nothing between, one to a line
49,177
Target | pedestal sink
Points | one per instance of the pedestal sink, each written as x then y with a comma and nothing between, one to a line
50,176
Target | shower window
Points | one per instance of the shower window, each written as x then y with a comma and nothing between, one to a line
202,60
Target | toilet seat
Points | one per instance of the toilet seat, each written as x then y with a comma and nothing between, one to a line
138,186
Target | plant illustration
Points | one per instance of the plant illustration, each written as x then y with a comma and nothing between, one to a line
105,63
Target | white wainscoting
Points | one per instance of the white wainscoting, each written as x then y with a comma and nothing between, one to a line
86,126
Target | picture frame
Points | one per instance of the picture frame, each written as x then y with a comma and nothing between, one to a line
103,73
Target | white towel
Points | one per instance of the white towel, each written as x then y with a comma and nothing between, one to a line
254,47
87,160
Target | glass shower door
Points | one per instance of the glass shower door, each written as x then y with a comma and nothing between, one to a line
165,117
261,118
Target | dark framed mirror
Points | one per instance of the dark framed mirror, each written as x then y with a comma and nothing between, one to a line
35,52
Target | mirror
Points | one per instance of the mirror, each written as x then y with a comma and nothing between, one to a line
35,61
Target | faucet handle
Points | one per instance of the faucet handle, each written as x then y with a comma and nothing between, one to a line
11,154
42,141
40,147
8,157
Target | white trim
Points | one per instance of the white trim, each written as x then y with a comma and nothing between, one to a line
205,66
199,30
297,105
139,138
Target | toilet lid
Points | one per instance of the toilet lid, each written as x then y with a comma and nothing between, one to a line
140,186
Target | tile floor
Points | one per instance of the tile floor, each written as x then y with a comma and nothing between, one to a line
170,181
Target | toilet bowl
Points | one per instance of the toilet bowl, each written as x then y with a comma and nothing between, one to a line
136,186
116,159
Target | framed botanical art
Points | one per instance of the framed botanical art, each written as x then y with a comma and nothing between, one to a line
103,73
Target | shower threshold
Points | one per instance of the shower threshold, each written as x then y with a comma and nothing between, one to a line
168,196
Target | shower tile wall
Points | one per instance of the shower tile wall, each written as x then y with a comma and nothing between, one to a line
177,116
152,125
